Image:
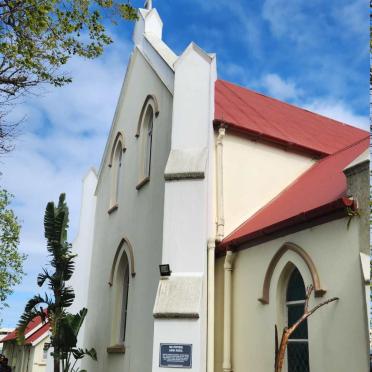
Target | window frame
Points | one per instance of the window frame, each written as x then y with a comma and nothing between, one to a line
145,134
288,305
116,161
120,283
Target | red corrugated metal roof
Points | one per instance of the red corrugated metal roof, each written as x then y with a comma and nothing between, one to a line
40,332
322,184
280,122
30,327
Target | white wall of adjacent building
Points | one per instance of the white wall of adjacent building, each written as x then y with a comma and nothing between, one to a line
27,358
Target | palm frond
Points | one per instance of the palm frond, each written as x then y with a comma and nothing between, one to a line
34,301
80,353
67,296
24,321
49,220
76,320
42,277
64,326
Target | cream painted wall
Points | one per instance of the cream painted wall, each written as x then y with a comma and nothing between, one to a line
338,337
139,217
27,358
36,357
254,173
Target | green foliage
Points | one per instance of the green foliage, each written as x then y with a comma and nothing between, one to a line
11,260
64,325
351,212
37,37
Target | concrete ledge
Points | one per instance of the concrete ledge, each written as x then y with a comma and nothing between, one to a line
176,315
116,349
186,164
113,209
179,297
143,183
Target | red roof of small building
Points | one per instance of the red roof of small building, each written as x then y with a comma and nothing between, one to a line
39,333
32,328
256,114
324,184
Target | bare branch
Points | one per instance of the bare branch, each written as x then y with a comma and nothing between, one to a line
287,332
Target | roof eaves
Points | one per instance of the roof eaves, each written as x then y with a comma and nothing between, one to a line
325,213
259,136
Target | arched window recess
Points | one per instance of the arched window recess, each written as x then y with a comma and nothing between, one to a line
318,291
149,112
149,101
298,342
124,246
120,281
115,163
118,141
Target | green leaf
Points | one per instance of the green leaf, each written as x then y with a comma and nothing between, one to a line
65,327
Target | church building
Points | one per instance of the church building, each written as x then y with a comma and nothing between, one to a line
213,210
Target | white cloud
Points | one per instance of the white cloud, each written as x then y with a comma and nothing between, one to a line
279,88
310,23
63,137
338,110
287,18
288,90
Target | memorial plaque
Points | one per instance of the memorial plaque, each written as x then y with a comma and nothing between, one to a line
175,356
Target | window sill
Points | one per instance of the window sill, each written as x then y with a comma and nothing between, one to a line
113,209
143,183
116,349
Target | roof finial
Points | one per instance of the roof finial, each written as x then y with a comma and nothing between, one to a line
148,4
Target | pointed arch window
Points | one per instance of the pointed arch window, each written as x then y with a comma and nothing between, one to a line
145,131
298,344
148,129
124,298
118,157
121,283
116,162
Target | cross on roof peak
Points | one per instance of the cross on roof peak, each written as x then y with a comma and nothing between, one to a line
148,4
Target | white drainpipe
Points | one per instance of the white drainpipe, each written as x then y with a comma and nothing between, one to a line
219,185
212,245
227,312
210,349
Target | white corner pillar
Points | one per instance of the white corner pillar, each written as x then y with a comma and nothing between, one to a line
180,332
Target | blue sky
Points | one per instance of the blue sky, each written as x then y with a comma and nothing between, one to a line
310,53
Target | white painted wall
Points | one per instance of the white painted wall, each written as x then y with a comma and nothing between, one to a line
254,173
83,247
338,336
139,218
188,222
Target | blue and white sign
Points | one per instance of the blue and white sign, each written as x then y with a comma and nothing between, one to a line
175,356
